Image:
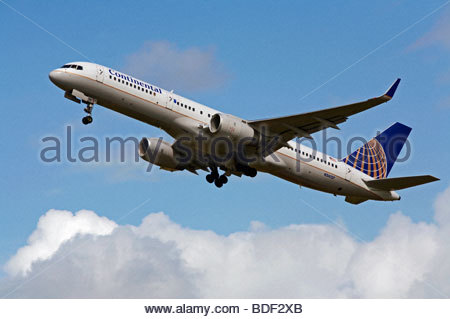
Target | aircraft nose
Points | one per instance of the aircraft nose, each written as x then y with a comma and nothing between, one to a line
53,76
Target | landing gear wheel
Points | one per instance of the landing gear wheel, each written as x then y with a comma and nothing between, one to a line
218,183
223,179
253,172
215,175
210,178
88,109
87,120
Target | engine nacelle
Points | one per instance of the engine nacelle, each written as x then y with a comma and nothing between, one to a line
230,126
158,152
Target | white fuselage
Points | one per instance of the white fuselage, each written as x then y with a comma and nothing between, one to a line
175,114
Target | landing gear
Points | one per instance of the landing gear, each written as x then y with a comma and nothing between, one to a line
218,183
246,170
223,179
210,178
214,177
87,120
88,109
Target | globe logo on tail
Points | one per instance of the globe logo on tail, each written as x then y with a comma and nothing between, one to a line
369,159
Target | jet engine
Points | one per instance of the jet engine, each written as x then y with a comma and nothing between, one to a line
230,126
158,152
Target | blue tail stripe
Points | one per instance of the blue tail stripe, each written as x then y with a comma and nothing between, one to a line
392,141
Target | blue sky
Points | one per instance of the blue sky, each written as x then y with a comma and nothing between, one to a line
266,57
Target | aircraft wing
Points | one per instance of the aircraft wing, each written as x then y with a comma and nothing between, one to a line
303,125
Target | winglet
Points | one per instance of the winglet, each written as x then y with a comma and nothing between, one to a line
390,93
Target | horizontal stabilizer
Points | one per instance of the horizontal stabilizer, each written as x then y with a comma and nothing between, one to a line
396,183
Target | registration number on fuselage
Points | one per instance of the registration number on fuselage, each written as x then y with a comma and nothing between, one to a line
329,175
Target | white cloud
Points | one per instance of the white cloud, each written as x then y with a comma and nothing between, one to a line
162,63
54,229
161,259
401,256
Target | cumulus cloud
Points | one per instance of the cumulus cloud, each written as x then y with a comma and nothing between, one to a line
191,69
439,35
54,229
161,259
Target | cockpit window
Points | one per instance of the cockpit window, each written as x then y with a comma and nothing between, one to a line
72,66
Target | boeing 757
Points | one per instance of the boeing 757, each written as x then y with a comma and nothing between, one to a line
209,140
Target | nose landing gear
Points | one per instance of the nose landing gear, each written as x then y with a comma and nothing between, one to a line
88,109
78,97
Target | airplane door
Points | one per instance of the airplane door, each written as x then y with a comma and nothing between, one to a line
100,73
169,100
348,173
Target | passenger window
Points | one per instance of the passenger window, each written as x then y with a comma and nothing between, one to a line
193,109
115,79
201,112
209,115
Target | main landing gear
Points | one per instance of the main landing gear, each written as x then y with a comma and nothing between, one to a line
88,109
219,181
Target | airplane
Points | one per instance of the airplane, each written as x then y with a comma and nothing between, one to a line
209,140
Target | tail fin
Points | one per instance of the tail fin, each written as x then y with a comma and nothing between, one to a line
376,157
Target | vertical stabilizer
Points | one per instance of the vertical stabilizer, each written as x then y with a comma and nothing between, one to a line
376,157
